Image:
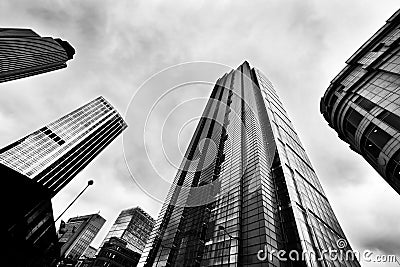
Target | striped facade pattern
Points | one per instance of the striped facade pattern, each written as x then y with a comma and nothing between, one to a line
54,154
24,53
362,103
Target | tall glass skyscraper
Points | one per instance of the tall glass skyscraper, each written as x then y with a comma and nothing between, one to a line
56,153
362,102
133,226
245,186
24,53
79,233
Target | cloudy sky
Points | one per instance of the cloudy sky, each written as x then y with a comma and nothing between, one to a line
300,45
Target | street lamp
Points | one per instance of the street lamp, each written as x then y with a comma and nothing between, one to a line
90,182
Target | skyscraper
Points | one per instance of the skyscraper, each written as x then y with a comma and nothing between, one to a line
114,252
126,239
80,232
134,226
362,102
245,186
24,53
56,153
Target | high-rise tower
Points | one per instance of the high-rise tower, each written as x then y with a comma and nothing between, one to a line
245,186
24,53
126,239
79,233
56,153
362,102
133,226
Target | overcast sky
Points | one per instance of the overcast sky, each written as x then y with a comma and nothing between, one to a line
299,45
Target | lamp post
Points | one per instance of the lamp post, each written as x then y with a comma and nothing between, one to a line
90,182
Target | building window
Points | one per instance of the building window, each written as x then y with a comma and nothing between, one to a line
372,149
333,100
364,103
378,47
374,140
393,168
390,119
352,120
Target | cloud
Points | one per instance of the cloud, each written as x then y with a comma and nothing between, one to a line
300,45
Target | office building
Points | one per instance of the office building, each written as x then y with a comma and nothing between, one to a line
56,153
90,252
28,231
245,185
24,53
88,257
362,103
126,239
133,226
79,233
114,252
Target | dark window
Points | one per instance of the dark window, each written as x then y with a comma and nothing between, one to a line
372,149
355,118
393,167
378,47
340,88
374,139
333,100
364,103
383,114
379,137
352,121
351,129
390,119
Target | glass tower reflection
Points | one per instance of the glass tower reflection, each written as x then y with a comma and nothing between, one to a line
245,185
133,226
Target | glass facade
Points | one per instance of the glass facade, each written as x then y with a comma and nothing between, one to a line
134,227
245,185
114,252
24,53
90,252
54,154
363,102
80,232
